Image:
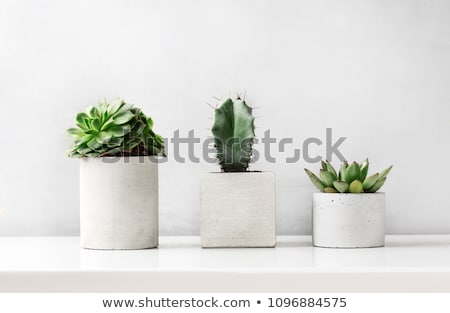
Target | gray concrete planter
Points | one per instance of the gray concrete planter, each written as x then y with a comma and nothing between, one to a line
344,220
119,203
238,210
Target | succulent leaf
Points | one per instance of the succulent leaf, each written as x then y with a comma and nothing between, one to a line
352,173
370,181
385,172
315,180
364,170
330,168
356,187
380,182
75,132
123,118
330,190
150,122
81,120
328,178
343,170
341,186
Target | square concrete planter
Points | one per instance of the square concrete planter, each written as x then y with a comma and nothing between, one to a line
345,220
238,210
119,203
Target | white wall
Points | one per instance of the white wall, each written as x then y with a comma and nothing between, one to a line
377,72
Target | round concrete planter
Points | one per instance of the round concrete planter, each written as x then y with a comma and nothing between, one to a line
119,203
348,220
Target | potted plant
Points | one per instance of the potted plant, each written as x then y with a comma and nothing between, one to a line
348,212
118,176
237,205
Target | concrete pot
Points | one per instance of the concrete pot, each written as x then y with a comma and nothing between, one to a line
119,203
238,210
345,220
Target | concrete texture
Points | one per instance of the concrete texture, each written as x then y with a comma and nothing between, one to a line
348,220
238,210
119,203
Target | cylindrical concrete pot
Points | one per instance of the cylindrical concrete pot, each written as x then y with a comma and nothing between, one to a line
119,203
345,220
238,210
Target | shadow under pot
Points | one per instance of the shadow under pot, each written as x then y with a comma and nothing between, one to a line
346,220
119,203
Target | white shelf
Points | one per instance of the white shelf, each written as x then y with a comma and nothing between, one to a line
407,264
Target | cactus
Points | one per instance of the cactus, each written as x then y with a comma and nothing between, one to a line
114,128
233,131
350,178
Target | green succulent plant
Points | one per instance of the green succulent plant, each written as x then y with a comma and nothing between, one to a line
114,128
351,178
234,132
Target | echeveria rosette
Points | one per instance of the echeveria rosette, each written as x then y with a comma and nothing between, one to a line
351,178
114,128
234,131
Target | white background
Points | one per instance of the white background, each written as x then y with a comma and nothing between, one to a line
377,72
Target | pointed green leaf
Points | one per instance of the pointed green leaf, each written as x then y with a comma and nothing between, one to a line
75,132
108,122
94,113
103,137
94,144
115,105
81,120
341,186
84,150
83,139
119,131
315,180
328,178
384,173
114,142
159,139
364,169
125,107
139,128
123,118
330,168
343,170
150,122
370,181
380,182
96,125
352,173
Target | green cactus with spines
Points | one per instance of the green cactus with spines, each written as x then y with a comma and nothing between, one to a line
234,132
114,128
351,178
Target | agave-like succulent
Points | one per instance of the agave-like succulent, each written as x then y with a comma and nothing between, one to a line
234,131
350,178
114,128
